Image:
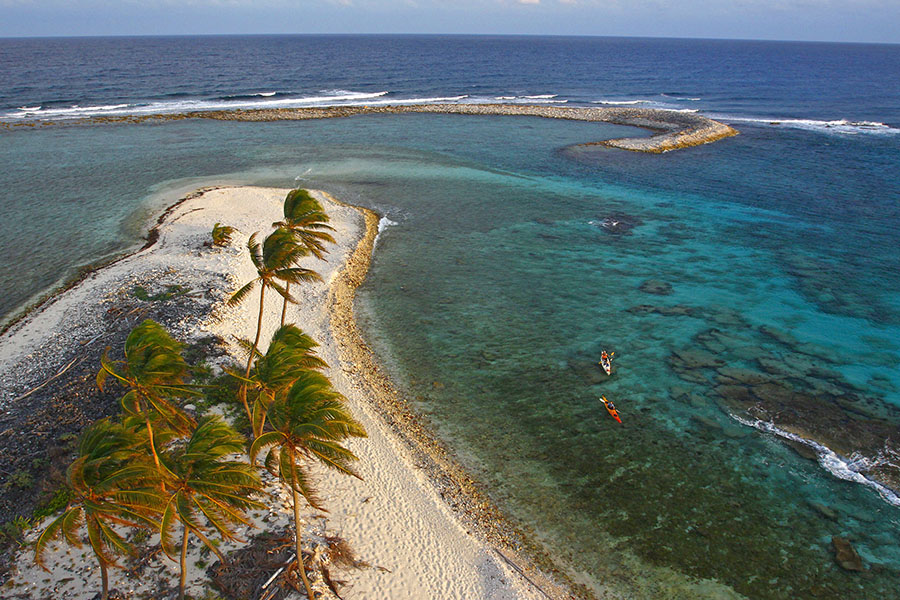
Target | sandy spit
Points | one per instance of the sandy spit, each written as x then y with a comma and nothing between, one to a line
398,519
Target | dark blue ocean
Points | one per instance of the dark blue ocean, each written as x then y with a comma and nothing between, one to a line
749,288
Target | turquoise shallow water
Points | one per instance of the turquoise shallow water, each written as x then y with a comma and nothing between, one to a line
503,277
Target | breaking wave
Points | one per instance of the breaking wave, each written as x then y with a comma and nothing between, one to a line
842,126
383,224
261,100
539,99
617,102
848,469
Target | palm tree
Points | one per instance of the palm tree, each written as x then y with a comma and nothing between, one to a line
154,370
105,492
221,234
304,217
290,352
273,261
308,221
205,491
309,422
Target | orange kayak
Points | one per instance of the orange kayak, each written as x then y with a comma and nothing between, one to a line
610,408
606,362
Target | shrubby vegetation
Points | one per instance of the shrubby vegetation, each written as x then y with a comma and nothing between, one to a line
221,234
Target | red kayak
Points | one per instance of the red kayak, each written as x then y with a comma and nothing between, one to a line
611,408
606,362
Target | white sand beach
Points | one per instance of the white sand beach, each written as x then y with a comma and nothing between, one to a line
394,518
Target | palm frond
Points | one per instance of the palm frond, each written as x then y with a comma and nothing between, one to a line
247,347
297,275
293,475
292,336
113,541
99,543
283,292
333,456
256,255
241,295
50,533
206,542
270,438
72,520
107,368
167,532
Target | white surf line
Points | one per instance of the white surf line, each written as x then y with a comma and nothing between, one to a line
828,459
383,224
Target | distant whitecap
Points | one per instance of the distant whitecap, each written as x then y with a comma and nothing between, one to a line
620,102
843,126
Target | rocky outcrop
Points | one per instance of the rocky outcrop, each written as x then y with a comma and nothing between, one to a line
657,287
845,555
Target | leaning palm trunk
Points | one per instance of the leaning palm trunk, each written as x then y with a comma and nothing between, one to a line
104,578
262,296
184,547
112,483
300,566
152,443
287,288
208,492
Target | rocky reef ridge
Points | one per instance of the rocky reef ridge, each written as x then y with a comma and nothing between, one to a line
672,129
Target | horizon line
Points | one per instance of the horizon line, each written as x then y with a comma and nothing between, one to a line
419,34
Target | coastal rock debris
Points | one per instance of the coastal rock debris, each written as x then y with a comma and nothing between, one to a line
657,287
846,555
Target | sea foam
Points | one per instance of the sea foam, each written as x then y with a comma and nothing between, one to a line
430,100
254,95
69,112
681,98
383,224
616,102
256,101
842,126
848,469
538,99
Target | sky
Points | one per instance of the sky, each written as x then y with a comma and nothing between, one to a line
821,20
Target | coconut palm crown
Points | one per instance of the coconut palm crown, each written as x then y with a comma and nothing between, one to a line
221,234
106,490
290,353
206,492
154,370
305,219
